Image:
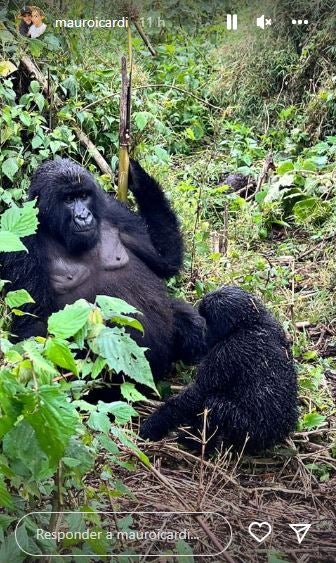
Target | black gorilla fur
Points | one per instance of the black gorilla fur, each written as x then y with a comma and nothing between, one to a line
247,381
75,255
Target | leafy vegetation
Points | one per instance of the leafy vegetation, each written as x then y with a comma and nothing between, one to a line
209,103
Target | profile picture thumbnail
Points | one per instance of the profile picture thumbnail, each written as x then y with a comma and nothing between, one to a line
31,22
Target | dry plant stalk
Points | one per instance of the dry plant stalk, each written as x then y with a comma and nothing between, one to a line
123,134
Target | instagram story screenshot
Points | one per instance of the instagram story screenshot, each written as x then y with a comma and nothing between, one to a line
168,281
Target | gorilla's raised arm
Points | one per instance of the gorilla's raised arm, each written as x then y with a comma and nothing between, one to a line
161,222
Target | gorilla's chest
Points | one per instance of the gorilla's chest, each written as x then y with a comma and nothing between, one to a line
88,273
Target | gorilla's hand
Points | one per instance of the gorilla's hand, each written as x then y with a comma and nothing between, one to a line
153,429
137,178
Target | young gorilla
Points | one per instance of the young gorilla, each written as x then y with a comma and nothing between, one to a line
88,244
247,381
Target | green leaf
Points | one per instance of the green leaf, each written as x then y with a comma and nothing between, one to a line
34,86
10,551
6,521
312,420
311,209
122,320
161,153
7,67
141,119
122,411
6,500
120,434
308,164
310,355
185,551
109,445
37,141
18,298
58,352
53,419
113,309
100,422
9,242
112,306
40,101
189,134
284,167
25,118
36,47
54,146
130,392
40,364
18,445
276,557
124,355
98,366
10,167
70,320
21,221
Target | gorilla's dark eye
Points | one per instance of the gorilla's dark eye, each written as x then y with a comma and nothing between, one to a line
83,196
69,199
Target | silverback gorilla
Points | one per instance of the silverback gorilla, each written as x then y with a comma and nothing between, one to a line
247,380
88,244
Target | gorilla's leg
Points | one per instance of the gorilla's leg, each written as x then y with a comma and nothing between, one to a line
177,410
189,339
226,422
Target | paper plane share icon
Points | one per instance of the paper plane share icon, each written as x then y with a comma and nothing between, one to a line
300,530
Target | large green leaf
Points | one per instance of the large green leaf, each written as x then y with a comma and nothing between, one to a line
10,551
18,445
124,355
70,320
21,221
18,298
53,419
9,242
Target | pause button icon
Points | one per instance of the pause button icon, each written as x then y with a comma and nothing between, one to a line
231,21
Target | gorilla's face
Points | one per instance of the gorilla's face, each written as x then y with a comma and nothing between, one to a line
80,229
81,219
70,204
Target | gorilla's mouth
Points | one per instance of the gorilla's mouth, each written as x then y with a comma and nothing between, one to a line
81,227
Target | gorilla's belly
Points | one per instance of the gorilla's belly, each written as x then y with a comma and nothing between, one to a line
110,269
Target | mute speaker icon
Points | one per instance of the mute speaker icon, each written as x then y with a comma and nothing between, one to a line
261,22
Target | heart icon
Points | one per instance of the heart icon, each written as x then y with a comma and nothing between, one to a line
261,530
